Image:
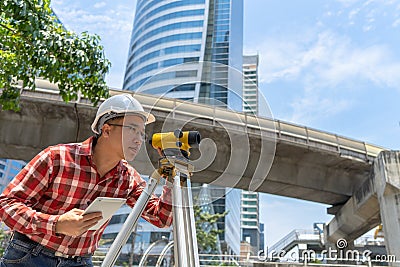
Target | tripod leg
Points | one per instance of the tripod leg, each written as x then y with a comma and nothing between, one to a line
129,224
180,251
185,241
190,224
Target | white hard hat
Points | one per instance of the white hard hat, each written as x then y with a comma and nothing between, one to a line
117,106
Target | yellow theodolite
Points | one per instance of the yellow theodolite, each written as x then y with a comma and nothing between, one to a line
174,146
172,143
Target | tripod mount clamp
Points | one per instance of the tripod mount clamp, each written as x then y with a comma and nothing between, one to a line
170,165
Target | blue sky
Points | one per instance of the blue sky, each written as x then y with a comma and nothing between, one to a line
330,65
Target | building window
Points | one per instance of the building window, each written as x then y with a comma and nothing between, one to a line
118,219
167,39
249,196
250,209
165,51
249,202
170,27
250,223
249,216
166,7
155,236
180,14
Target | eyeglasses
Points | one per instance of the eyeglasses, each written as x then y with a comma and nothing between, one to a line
132,130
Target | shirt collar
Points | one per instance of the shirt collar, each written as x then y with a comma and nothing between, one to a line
85,149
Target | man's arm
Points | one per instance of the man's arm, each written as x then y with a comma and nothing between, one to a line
158,210
23,192
19,198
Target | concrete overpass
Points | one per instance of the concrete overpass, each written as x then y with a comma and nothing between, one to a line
273,156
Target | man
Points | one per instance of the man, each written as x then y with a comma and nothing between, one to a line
44,203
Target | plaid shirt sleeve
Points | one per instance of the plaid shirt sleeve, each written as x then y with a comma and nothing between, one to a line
22,193
159,209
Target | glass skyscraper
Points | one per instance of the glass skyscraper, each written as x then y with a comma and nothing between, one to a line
168,33
192,50
8,169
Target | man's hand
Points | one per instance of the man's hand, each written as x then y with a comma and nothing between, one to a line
73,223
164,171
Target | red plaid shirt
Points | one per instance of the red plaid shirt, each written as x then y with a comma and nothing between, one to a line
63,177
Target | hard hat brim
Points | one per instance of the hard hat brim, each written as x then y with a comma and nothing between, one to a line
148,118
118,106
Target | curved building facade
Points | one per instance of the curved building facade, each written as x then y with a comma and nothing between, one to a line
168,33
165,33
172,45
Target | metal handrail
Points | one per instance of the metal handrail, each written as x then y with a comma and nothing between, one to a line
164,252
293,236
147,252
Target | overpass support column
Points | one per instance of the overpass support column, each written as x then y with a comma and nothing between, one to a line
387,186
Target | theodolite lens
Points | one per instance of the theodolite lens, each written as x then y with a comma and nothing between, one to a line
194,138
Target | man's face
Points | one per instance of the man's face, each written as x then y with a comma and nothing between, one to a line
128,135
133,135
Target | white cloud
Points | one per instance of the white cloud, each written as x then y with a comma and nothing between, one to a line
396,23
370,12
367,28
369,2
348,2
325,68
353,13
99,5
315,105
107,23
350,63
327,61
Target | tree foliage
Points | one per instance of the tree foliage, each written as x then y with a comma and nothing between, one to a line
34,43
206,229
4,238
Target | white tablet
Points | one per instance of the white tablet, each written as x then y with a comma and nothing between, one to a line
107,206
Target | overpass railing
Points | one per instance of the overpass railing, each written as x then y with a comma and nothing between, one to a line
236,121
295,237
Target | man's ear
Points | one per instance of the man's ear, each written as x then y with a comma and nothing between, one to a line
105,130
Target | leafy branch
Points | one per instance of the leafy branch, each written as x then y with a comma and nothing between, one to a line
34,43
206,229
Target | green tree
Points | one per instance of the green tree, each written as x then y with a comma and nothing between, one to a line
206,230
34,43
4,238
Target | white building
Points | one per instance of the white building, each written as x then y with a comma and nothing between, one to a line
250,84
251,229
